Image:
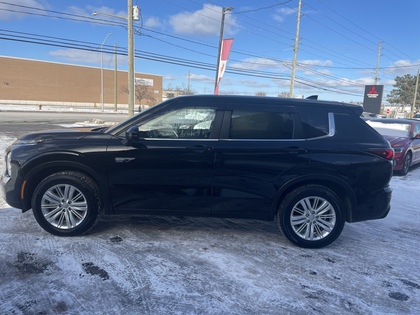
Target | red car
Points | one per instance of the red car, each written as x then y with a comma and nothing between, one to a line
404,136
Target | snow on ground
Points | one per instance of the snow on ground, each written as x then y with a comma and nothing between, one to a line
170,265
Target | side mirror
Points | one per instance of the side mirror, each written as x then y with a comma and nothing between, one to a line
132,135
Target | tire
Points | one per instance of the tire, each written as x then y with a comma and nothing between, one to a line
66,203
311,216
406,164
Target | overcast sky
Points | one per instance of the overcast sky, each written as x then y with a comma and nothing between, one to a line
337,54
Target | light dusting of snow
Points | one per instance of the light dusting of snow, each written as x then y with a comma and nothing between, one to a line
168,265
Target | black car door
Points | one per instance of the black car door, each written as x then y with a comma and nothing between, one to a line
260,147
170,168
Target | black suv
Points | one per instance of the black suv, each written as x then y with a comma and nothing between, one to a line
312,165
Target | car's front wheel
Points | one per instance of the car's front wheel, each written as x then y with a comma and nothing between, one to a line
66,203
311,216
406,164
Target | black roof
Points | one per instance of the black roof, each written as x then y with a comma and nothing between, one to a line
269,99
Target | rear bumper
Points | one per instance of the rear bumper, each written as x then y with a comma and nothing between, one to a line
376,206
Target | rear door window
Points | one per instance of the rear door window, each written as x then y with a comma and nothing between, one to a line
263,121
261,125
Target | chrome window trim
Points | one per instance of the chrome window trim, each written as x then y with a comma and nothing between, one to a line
178,139
265,140
331,127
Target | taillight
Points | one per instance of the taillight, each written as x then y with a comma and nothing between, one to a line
385,153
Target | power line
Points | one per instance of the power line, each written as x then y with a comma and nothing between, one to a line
72,44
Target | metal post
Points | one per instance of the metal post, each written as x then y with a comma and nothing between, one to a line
102,72
295,50
115,79
377,63
222,24
415,94
130,59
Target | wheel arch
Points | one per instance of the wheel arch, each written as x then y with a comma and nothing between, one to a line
33,173
338,186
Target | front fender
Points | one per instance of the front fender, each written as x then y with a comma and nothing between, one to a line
35,170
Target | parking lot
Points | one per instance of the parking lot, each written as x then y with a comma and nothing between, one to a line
182,265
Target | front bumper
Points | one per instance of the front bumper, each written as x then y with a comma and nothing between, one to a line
9,192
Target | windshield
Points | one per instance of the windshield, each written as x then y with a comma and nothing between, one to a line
391,129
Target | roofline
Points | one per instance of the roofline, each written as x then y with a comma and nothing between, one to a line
293,100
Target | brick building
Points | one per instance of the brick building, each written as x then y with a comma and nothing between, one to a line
24,81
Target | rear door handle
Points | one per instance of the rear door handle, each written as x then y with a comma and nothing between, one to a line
295,150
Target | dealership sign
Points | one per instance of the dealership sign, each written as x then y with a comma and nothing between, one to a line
372,100
141,81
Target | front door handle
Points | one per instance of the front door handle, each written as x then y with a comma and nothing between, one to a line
200,148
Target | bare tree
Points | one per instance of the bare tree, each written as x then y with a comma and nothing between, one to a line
142,92
179,90
283,94
261,93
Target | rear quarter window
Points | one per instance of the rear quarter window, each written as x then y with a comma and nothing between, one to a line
355,129
314,121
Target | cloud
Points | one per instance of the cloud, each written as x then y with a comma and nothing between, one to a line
311,67
74,55
282,13
169,77
315,62
203,22
254,84
201,78
107,12
153,22
17,10
256,63
403,66
85,57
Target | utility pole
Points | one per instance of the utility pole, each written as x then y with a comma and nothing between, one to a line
115,78
295,50
130,58
415,94
377,63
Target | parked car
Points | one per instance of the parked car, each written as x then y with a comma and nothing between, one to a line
404,136
310,164
416,116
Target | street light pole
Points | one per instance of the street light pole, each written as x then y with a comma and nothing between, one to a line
222,24
133,14
102,71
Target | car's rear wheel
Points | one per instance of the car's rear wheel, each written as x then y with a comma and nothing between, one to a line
311,216
406,164
66,203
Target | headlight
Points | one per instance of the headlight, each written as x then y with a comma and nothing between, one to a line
398,150
9,164
25,142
